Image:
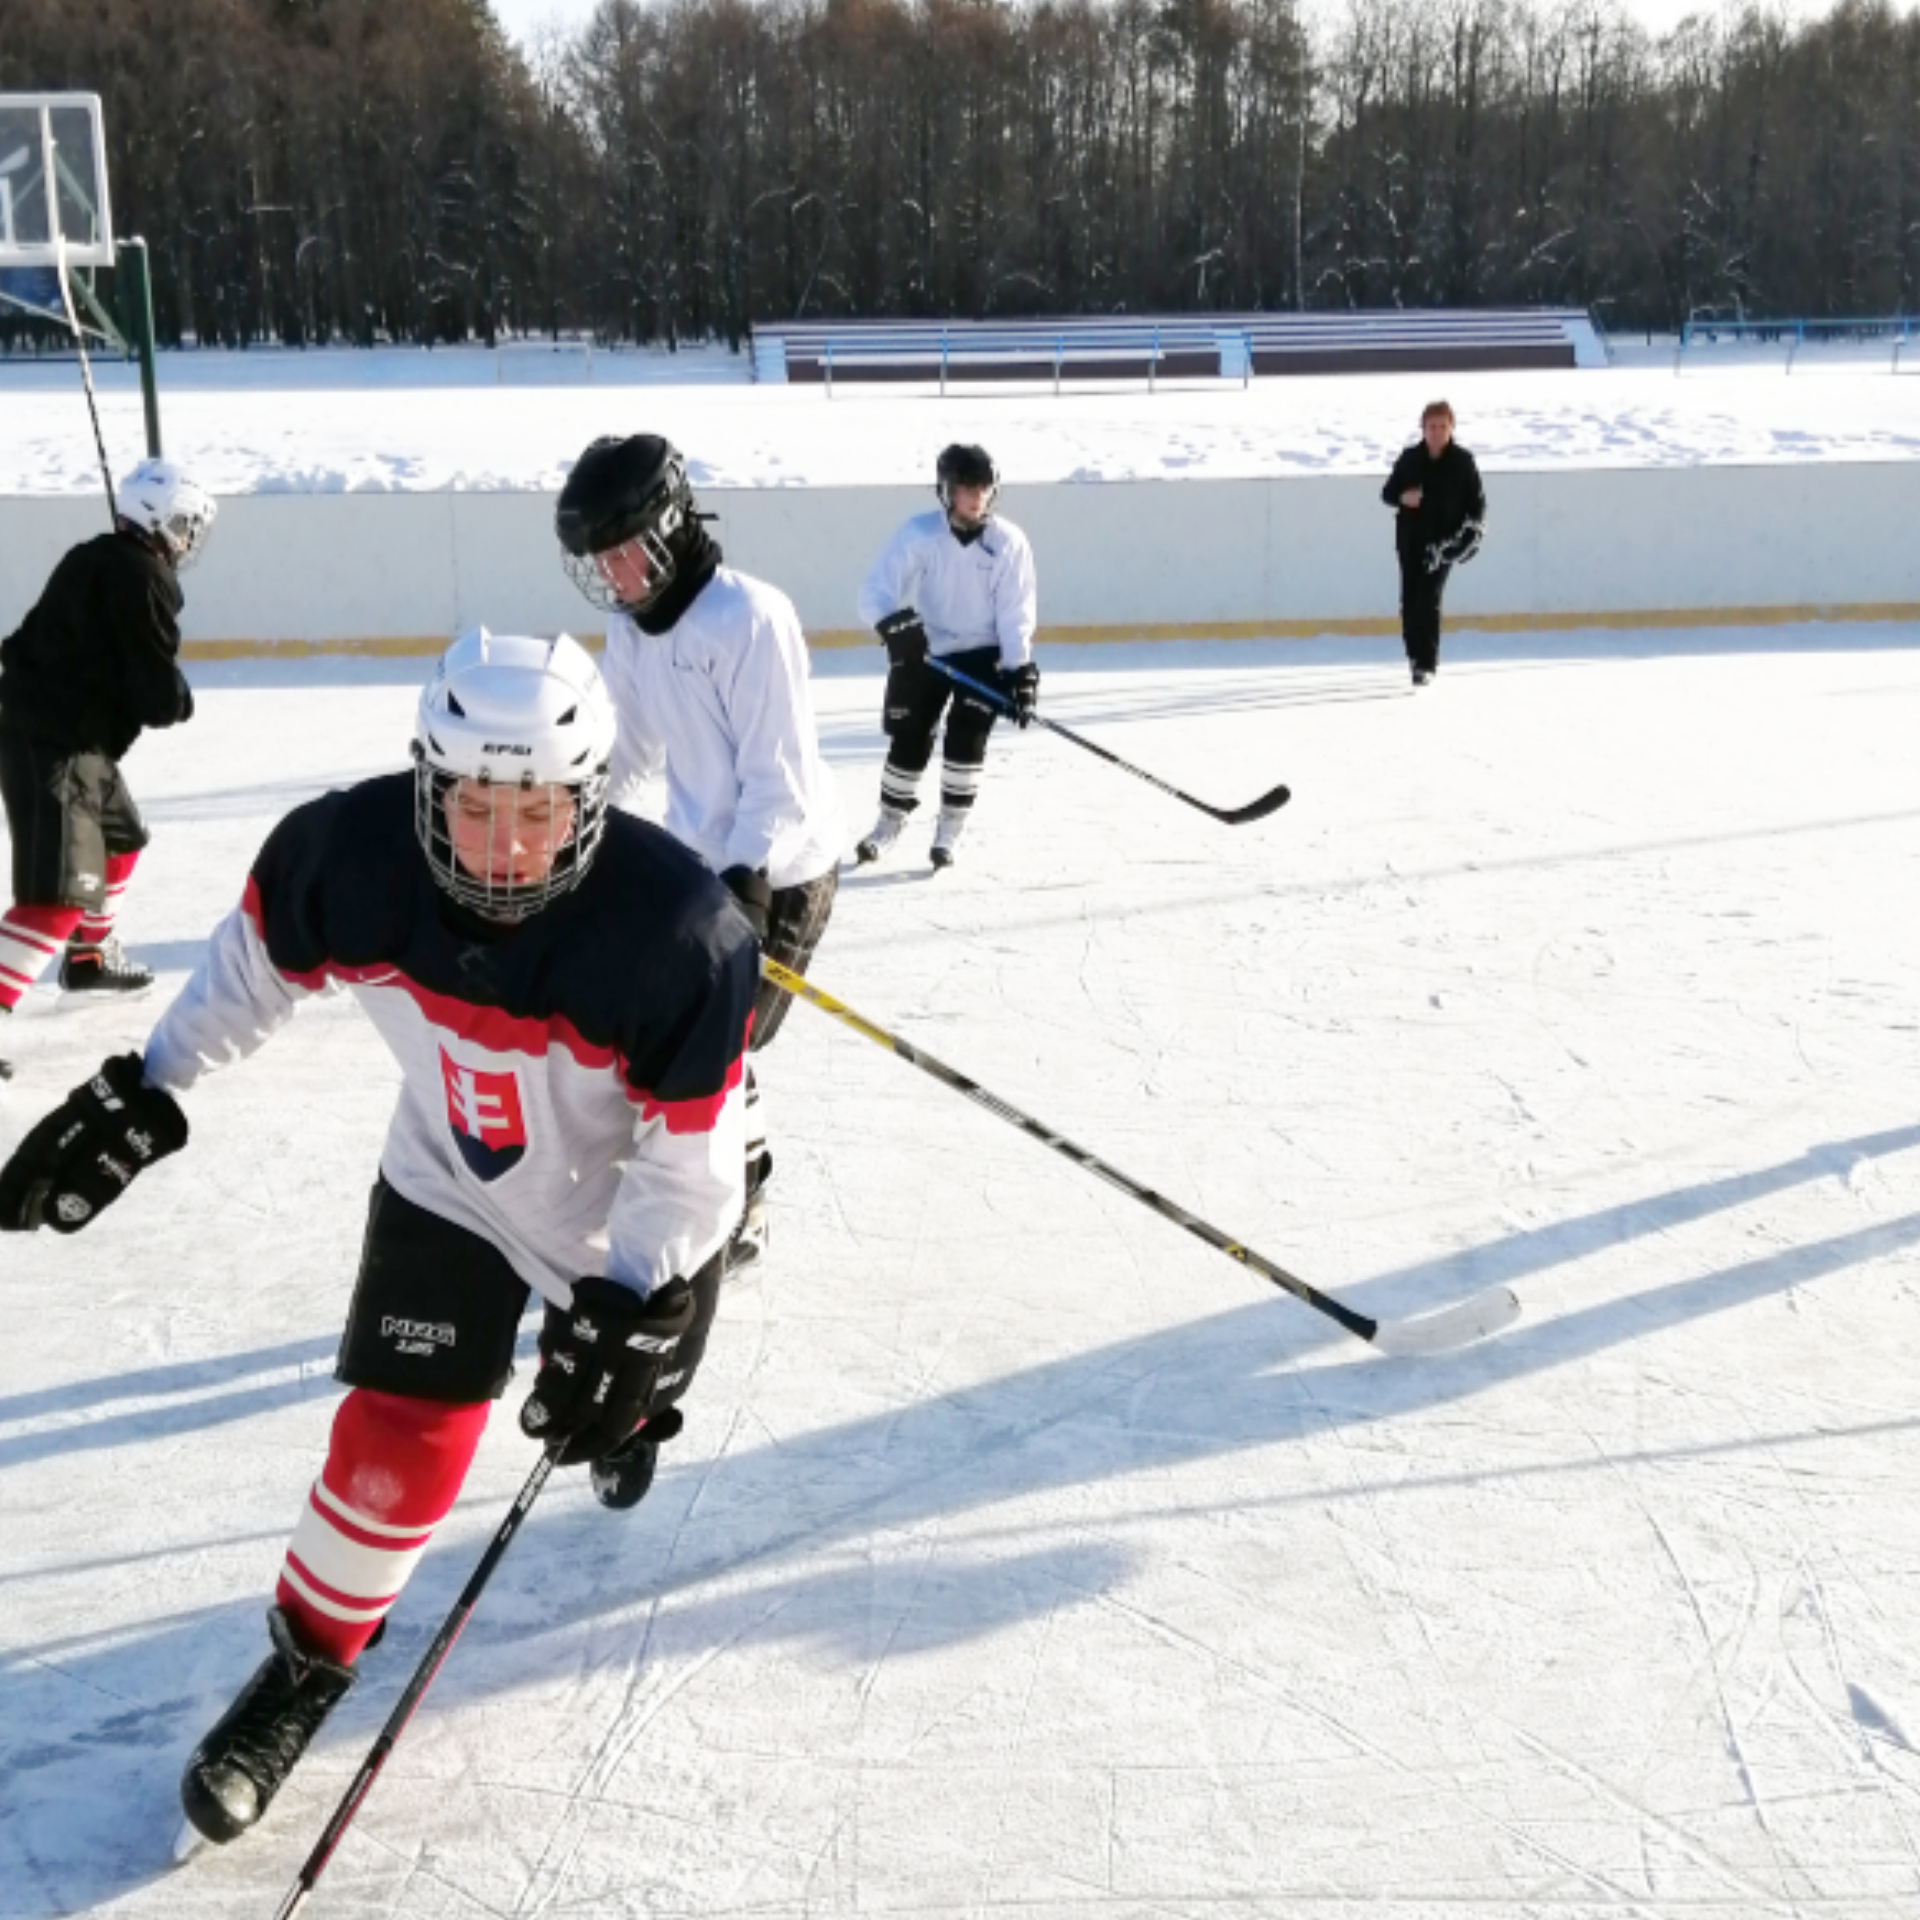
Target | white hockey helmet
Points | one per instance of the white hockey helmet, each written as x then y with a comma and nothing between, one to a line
163,503
516,716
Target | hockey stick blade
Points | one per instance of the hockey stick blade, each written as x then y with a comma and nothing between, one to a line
1254,810
1457,1326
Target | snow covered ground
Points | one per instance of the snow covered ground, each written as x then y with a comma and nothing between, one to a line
276,421
1023,1556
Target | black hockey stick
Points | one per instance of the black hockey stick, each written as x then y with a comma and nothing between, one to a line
1456,1326
86,374
1232,816
423,1676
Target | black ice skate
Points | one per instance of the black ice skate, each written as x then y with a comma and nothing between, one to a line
621,1478
244,1761
102,969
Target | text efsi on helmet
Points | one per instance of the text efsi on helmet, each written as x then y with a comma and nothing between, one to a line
529,724
165,505
625,499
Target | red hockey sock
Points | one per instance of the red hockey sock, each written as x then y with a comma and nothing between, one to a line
94,927
393,1472
29,939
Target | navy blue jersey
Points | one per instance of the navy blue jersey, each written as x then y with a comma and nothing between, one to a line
571,1085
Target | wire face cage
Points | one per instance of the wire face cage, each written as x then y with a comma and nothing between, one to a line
54,205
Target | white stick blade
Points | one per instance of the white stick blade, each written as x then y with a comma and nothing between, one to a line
187,1842
1457,1326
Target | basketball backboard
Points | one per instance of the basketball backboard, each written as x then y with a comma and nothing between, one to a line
53,181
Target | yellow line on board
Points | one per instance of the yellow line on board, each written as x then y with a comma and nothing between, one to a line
832,639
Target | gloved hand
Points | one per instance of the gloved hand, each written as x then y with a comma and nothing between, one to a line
906,638
87,1152
607,1363
1021,685
1457,549
755,894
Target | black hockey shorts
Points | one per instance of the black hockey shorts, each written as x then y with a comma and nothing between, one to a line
436,1309
795,922
917,695
66,812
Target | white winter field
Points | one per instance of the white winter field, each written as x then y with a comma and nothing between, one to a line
414,420
1023,1556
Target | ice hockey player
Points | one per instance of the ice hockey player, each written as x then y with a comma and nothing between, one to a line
956,583
94,663
566,991
1440,518
708,671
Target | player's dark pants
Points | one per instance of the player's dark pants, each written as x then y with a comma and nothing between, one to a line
66,813
917,695
436,1309
428,1346
795,922
1420,595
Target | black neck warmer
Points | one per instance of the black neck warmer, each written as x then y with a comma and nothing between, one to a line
966,535
693,567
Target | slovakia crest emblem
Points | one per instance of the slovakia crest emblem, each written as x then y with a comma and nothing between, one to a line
484,1113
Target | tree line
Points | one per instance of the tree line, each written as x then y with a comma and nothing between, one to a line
310,171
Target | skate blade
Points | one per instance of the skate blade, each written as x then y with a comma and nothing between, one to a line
188,1842
91,999
1457,1326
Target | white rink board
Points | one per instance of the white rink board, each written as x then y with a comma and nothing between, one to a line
1022,1556
352,567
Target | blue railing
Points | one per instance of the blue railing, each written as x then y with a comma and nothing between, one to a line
1795,334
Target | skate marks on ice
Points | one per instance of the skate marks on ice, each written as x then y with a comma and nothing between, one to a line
781,1552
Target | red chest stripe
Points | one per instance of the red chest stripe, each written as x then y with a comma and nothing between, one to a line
501,1032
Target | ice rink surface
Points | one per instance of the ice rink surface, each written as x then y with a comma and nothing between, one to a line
1022,1556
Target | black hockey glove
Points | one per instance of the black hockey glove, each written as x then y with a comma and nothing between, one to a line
1457,549
84,1155
607,1363
906,638
754,892
1021,685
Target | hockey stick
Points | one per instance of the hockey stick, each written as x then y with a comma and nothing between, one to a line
423,1676
1232,816
86,372
1456,1326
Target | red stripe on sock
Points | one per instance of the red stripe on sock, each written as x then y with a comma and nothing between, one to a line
400,1462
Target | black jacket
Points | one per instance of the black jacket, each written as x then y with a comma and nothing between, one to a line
97,659
1450,496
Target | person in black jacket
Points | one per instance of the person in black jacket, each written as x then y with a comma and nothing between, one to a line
94,663
1440,518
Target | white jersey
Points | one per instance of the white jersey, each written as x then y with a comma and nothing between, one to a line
979,594
717,738
570,1092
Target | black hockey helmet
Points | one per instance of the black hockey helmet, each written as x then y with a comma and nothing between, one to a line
965,466
621,493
